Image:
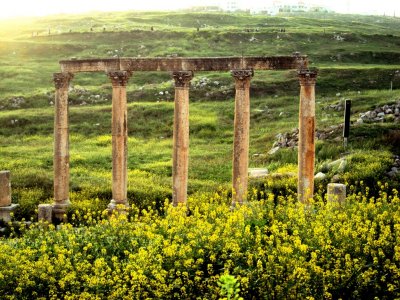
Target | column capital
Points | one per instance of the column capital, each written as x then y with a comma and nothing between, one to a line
307,78
242,77
119,78
182,78
61,80
242,74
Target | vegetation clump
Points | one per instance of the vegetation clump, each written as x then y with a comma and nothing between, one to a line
274,251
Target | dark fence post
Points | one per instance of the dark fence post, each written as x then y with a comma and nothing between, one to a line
346,127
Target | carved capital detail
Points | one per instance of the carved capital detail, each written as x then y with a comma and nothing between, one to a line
119,78
242,74
62,80
307,78
182,78
242,78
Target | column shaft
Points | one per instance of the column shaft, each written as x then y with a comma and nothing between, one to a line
306,150
240,159
61,145
119,139
180,160
5,188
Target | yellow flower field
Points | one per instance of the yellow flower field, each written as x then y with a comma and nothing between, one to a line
281,250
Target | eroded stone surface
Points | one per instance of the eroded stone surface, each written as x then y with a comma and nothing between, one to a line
240,160
5,188
306,144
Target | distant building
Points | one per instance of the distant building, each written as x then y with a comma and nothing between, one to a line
288,6
209,8
230,5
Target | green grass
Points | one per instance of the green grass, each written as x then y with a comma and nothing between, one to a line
360,68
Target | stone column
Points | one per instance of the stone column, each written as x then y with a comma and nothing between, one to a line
180,160
306,151
6,207
61,145
119,131
240,159
5,189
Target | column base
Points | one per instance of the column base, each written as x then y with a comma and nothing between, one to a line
60,211
45,213
118,207
235,205
5,212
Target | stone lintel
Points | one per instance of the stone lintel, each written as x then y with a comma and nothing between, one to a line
171,64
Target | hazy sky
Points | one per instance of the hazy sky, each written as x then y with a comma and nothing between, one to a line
44,7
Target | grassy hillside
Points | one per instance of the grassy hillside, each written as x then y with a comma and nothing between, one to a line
357,57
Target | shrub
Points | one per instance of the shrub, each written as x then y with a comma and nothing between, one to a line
273,251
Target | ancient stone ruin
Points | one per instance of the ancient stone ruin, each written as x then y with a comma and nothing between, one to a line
119,70
6,207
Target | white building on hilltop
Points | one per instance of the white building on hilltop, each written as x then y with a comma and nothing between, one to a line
288,6
230,5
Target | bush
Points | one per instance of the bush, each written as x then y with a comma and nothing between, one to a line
273,251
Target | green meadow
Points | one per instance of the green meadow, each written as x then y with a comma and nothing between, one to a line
357,58
274,247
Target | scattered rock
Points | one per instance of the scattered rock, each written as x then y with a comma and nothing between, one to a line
258,172
385,113
334,165
291,139
394,171
273,150
335,178
16,102
320,176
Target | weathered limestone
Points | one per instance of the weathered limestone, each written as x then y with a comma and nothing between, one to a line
6,207
120,69
306,154
45,212
336,193
240,159
61,145
119,130
172,64
180,159
5,189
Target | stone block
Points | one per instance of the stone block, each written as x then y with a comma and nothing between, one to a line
336,193
5,189
45,213
258,172
5,212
